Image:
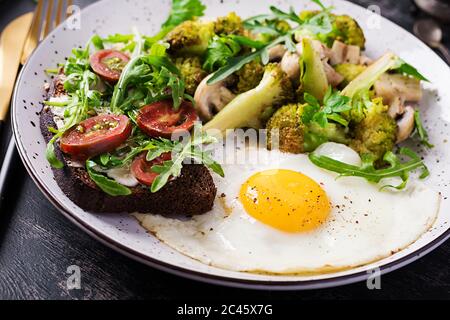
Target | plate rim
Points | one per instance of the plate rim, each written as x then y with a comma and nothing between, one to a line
198,275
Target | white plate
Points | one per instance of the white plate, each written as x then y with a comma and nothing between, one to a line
122,233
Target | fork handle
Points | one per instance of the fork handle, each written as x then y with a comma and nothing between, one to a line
11,161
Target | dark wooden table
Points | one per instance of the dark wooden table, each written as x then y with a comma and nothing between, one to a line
37,244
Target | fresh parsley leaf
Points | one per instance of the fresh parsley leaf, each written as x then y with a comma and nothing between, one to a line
183,10
236,63
108,186
219,51
333,105
367,169
421,131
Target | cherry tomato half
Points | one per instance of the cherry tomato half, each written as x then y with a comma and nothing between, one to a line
96,135
108,64
142,169
161,120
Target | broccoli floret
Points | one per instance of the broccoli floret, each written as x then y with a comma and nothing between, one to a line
287,123
348,31
190,38
191,71
359,89
349,71
230,24
296,137
376,134
345,29
249,76
248,108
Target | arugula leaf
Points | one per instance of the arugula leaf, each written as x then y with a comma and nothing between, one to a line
318,2
408,69
151,76
180,154
51,155
219,51
291,15
421,131
367,169
108,186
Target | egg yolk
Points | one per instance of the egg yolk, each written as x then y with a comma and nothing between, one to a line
285,200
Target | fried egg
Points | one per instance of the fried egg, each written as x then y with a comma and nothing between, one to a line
278,213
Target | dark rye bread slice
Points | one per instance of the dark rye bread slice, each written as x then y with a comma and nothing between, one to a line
192,193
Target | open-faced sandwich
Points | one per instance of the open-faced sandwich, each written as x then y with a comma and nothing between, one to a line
117,108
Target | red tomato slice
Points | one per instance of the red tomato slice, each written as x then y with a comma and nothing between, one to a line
108,64
142,169
161,120
95,136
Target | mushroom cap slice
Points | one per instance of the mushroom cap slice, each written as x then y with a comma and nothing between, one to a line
406,124
210,99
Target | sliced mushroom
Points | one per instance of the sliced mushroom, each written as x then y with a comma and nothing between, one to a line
290,64
211,99
396,108
276,53
365,60
334,78
390,86
405,125
342,53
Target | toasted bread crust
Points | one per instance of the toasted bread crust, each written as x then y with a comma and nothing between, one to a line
192,193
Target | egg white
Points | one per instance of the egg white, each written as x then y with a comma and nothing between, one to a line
365,224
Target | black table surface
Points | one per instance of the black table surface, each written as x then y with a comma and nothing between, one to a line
38,244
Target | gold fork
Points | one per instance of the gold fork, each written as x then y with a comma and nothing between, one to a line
43,23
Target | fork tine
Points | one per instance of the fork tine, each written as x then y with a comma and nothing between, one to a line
59,13
48,20
69,4
33,34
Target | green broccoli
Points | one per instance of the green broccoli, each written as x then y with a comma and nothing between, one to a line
230,24
249,77
376,134
248,108
287,122
190,38
296,137
191,71
345,29
349,71
359,90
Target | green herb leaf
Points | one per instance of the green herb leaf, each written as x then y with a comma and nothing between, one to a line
408,69
180,153
51,155
219,51
367,170
109,186
421,131
183,10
